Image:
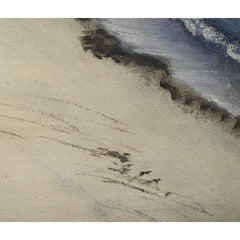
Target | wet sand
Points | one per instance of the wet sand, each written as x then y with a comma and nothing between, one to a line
88,139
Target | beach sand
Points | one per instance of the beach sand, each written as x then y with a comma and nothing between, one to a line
87,139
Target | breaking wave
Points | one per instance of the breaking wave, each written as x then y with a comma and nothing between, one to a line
213,33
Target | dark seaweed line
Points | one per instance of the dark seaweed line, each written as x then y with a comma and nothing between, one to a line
104,45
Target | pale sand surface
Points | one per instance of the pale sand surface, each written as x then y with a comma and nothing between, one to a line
59,105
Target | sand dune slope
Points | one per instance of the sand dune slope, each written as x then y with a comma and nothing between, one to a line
84,139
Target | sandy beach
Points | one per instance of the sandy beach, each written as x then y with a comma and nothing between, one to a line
88,139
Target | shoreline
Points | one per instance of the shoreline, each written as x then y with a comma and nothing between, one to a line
86,139
104,45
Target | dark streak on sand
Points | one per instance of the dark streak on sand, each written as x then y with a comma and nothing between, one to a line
104,45
55,128
123,159
146,216
95,152
109,180
11,134
133,182
53,99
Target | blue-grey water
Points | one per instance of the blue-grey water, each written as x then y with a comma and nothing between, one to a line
204,53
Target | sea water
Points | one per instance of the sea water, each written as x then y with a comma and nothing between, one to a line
204,53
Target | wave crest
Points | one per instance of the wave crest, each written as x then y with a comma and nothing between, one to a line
201,29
